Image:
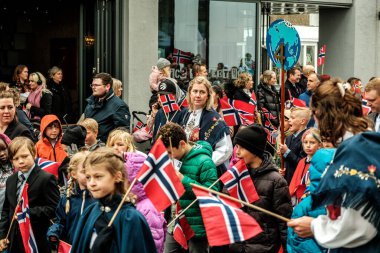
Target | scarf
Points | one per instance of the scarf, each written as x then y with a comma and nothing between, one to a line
35,98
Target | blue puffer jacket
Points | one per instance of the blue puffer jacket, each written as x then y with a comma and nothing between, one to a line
321,159
65,225
110,113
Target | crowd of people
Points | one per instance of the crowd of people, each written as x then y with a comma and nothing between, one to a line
328,186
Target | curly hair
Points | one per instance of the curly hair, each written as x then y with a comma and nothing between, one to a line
337,112
172,133
242,80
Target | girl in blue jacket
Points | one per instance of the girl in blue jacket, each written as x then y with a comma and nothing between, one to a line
72,204
129,231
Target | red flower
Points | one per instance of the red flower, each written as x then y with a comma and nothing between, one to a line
372,169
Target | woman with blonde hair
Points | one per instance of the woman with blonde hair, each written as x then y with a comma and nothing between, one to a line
40,98
202,123
117,87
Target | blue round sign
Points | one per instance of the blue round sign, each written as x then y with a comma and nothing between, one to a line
283,32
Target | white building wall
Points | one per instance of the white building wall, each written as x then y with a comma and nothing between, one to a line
352,37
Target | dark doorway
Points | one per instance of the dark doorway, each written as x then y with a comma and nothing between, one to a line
41,34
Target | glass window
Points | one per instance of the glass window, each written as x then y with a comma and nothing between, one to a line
223,33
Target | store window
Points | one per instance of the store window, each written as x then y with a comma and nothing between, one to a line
223,33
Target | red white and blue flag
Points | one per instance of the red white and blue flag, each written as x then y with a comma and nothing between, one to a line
48,166
225,223
158,176
23,219
169,103
64,247
230,115
322,55
268,126
246,110
180,56
182,231
239,184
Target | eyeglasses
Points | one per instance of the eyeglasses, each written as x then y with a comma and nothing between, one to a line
95,85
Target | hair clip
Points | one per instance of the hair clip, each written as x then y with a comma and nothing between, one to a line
341,89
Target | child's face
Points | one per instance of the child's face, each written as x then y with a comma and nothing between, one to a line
80,176
23,160
100,182
119,147
177,153
295,122
310,145
3,152
286,124
90,137
244,154
52,130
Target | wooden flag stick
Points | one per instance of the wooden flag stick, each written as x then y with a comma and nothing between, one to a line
121,202
192,203
243,202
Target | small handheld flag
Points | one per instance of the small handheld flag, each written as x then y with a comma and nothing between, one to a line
180,56
182,231
48,166
169,103
233,224
159,179
239,183
23,219
322,55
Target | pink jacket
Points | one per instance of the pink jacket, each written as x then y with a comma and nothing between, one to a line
155,78
156,222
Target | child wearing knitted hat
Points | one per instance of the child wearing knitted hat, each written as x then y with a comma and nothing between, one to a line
271,188
159,72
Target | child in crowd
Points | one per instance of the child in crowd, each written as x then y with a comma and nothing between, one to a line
73,140
91,141
311,142
122,143
49,146
72,204
197,167
292,148
6,168
159,73
43,197
107,183
271,187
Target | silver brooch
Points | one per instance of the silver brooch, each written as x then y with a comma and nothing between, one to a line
105,209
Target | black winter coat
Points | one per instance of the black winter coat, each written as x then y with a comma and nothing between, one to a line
274,196
268,98
61,100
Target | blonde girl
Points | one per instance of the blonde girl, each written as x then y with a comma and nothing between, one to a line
122,144
311,142
73,203
129,231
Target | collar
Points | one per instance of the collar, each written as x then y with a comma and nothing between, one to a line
27,174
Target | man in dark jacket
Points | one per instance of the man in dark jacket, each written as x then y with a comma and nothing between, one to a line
292,86
107,109
271,188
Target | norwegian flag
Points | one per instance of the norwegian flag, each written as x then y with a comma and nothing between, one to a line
233,225
184,103
366,110
64,247
268,126
322,55
230,115
141,125
180,56
246,111
48,166
239,183
295,102
182,231
168,103
23,219
159,178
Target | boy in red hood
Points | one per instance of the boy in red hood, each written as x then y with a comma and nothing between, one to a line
49,146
